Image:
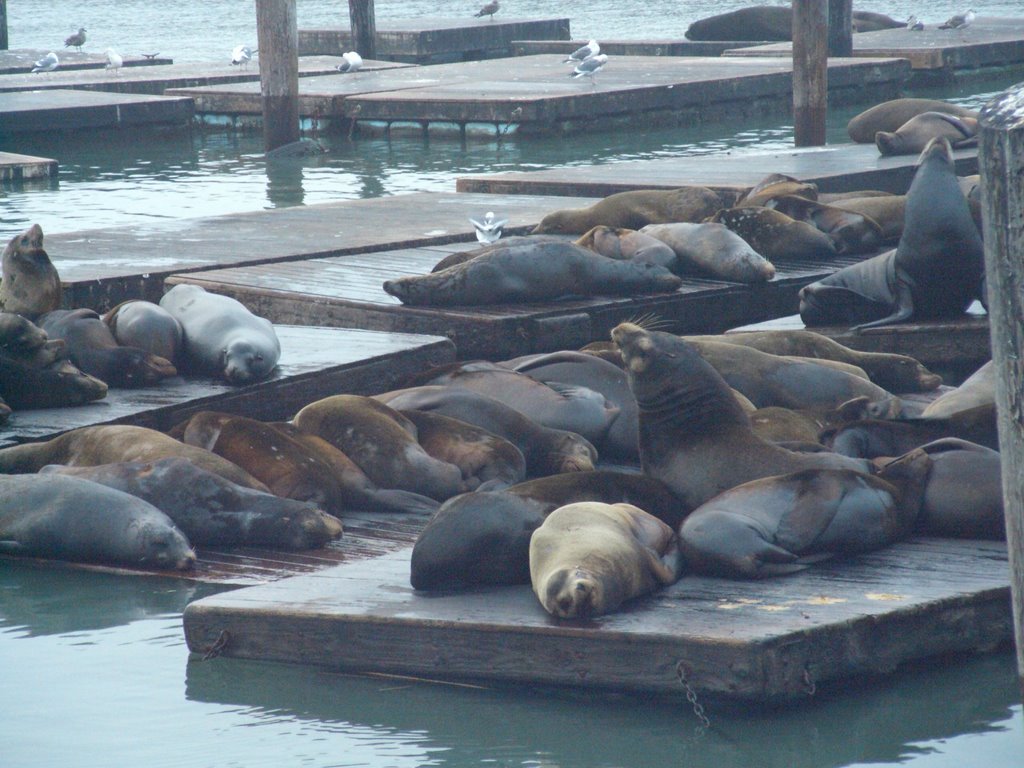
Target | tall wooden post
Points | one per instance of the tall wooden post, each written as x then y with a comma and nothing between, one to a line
4,45
840,27
364,28
810,71
278,35
1001,162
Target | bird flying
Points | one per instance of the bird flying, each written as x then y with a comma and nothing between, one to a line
488,230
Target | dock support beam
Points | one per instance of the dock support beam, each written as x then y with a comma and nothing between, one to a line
1001,162
363,24
840,27
4,45
278,37
810,72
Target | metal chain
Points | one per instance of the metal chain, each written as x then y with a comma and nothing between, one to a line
218,645
691,696
809,686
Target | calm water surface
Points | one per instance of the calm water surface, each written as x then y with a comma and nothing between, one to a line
93,668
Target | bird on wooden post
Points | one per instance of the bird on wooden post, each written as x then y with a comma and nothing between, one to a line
590,67
48,63
488,10
959,20
583,53
77,40
114,61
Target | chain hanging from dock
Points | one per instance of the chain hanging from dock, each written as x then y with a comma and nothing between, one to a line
218,645
691,696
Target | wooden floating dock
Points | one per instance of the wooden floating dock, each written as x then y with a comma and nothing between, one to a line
536,93
15,167
769,641
433,41
936,55
67,110
834,168
670,47
22,60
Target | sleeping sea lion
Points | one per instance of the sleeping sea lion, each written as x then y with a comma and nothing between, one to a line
913,136
775,235
890,115
712,249
634,209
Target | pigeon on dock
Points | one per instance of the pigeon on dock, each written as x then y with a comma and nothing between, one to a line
76,40
913,24
488,230
114,61
352,62
590,67
488,10
48,63
241,55
583,53
959,20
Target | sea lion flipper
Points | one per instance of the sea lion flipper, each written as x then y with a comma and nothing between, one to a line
904,309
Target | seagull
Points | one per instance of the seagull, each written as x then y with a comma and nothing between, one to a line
913,24
488,230
242,55
114,61
580,54
77,40
352,62
590,67
959,20
488,10
48,63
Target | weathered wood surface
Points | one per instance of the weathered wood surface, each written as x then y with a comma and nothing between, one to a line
426,40
315,362
15,167
101,267
65,110
624,47
835,168
347,291
277,35
21,60
767,641
810,72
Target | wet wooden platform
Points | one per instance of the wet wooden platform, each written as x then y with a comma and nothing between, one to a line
68,110
437,40
537,95
647,47
101,267
834,168
315,362
774,640
15,167
347,291
21,60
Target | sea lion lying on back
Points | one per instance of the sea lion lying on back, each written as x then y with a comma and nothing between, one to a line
913,136
635,209
890,115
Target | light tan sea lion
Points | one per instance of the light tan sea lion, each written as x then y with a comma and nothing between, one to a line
713,249
890,115
621,243
913,136
30,284
634,209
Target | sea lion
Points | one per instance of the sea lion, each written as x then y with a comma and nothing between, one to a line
19,336
694,435
59,383
621,243
775,185
534,272
547,451
147,326
890,115
887,211
92,347
221,336
851,232
786,425
109,444
765,527
977,390
634,209
382,442
775,235
935,271
867,21
68,518
506,242
913,136
588,558
759,23
712,249
210,510
30,285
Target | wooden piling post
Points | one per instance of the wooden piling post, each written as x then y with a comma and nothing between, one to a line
840,27
1001,162
810,72
278,38
364,28
3,26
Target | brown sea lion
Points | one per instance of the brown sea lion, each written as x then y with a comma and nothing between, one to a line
867,21
30,285
712,249
850,232
588,558
913,136
977,390
775,185
786,425
20,336
53,385
694,435
775,235
759,23
890,115
871,438
634,209
146,326
887,211
621,243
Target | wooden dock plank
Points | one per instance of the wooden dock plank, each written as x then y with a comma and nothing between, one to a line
65,110
15,167
766,640
834,168
21,61
315,362
624,47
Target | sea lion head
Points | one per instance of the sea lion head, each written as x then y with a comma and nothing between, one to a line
160,546
574,453
137,368
244,361
937,149
573,593
888,143
28,245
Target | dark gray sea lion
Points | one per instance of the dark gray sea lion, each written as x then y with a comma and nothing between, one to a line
109,444
147,326
871,438
30,285
547,451
866,21
588,558
759,23
460,257
20,336
775,235
57,384
92,347
634,209
622,243
712,249
935,272
68,518
533,272
913,136
851,232
694,436
210,510
222,337
890,115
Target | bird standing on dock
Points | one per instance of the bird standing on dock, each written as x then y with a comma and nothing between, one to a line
77,40
114,61
959,20
583,53
242,55
150,56
913,24
352,62
590,67
488,10
488,230
48,63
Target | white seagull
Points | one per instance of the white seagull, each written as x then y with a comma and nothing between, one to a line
959,20
352,62
48,63
241,55
488,10
114,61
590,67
77,40
488,230
913,24
583,53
